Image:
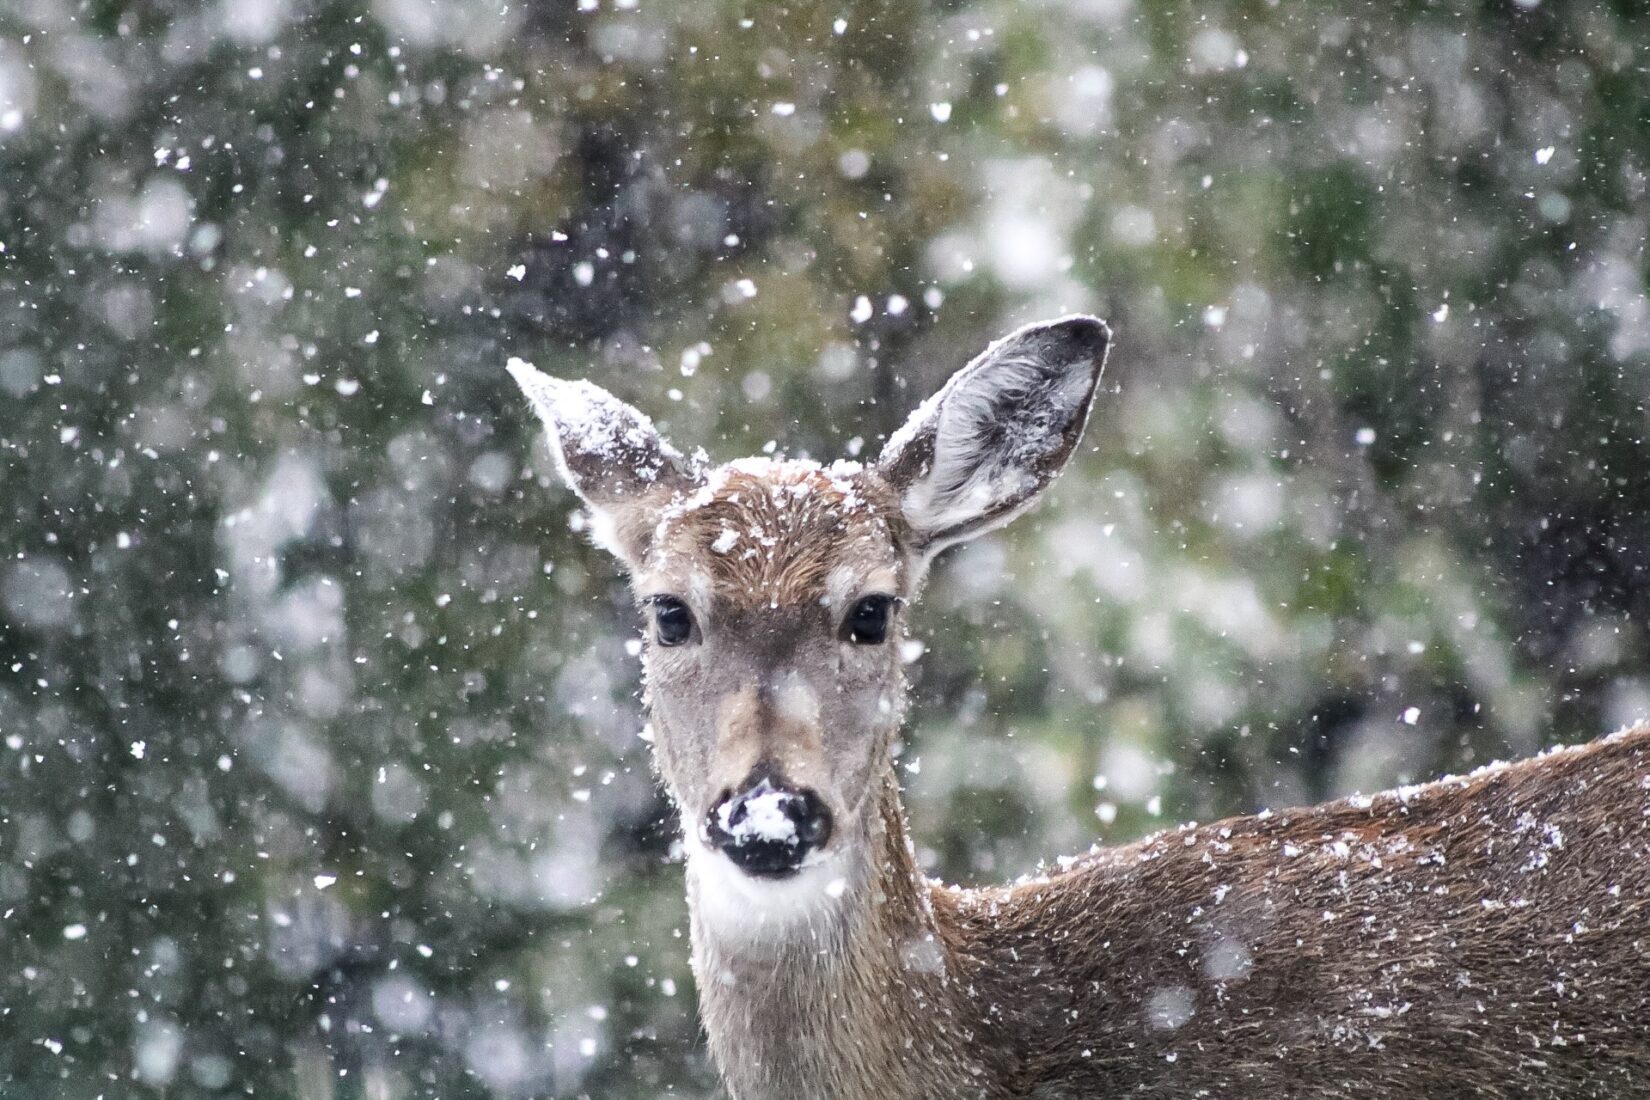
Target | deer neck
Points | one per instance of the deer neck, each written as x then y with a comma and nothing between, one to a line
843,989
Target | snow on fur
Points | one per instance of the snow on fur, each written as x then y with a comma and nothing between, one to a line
593,433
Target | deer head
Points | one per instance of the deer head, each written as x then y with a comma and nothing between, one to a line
773,594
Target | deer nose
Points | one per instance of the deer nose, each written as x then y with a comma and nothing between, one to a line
769,828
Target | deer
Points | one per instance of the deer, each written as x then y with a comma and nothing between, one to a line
1485,935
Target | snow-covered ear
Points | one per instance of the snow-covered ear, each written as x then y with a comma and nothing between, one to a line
611,455
978,452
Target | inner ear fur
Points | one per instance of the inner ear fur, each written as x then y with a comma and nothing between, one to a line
981,450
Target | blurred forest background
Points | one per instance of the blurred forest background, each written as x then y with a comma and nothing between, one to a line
321,772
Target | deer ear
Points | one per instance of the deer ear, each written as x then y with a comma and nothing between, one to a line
978,452
611,455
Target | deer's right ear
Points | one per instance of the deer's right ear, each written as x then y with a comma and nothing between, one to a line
611,455
978,452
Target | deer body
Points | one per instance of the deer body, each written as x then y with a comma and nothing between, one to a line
1486,936
1480,936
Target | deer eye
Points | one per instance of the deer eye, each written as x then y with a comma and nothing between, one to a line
672,621
868,621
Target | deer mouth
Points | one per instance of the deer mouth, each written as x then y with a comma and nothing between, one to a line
769,829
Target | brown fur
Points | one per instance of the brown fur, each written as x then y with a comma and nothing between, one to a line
760,598
792,523
1486,937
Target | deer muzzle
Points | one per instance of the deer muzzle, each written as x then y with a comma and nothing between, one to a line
769,828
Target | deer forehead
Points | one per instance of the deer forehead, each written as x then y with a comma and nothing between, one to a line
779,533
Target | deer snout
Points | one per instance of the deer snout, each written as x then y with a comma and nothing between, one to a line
769,828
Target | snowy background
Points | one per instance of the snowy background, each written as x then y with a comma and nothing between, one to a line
321,772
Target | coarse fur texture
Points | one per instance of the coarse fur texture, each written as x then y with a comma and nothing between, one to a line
1474,937
1484,936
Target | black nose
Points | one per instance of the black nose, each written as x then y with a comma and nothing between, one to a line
769,828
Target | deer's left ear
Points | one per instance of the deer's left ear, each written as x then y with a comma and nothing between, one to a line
978,452
611,455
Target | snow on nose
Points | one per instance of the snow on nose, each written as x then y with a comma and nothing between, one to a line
761,815
769,829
